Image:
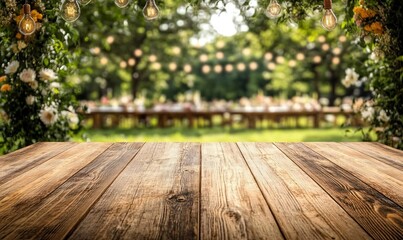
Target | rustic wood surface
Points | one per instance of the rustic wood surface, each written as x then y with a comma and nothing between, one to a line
202,191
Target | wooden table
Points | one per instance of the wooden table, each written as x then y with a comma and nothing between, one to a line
202,191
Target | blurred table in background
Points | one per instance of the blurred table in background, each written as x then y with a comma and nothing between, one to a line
114,117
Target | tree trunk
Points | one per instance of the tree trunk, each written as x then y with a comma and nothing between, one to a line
316,82
333,85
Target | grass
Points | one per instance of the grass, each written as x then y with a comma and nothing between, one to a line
218,134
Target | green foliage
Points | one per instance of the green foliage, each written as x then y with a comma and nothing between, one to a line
384,68
40,106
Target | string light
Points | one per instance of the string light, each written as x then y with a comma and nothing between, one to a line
336,51
273,10
336,60
342,38
317,59
203,58
241,67
271,66
131,62
217,68
27,24
300,56
229,68
138,53
329,20
268,56
152,58
219,55
70,10
253,66
280,59
172,66
150,10
187,68
292,63
325,47
121,3
206,69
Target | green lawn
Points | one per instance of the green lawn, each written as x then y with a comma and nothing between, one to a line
218,134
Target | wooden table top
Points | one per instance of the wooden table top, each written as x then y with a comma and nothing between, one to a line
202,191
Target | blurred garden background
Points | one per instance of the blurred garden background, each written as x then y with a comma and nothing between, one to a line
202,71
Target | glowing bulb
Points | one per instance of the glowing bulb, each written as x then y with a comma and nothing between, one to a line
27,24
84,2
273,10
329,20
70,10
150,10
121,3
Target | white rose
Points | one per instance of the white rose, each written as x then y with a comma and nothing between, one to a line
54,85
21,45
12,67
28,75
30,99
383,117
368,113
34,84
351,77
47,74
48,115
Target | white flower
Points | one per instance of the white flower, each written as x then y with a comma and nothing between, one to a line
367,39
54,85
71,117
47,74
30,99
28,75
367,113
383,117
48,115
21,45
351,77
33,84
12,67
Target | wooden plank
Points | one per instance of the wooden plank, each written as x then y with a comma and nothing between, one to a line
20,195
232,205
378,215
56,215
301,207
383,153
23,160
364,167
155,197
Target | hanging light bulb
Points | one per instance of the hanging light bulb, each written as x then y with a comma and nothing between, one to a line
84,2
27,24
273,10
70,10
150,10
329,20
122,3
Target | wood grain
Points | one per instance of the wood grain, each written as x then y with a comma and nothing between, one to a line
55,216
377,214
21,195
366,168
383,153
301,207
232,206
155,197
23,160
